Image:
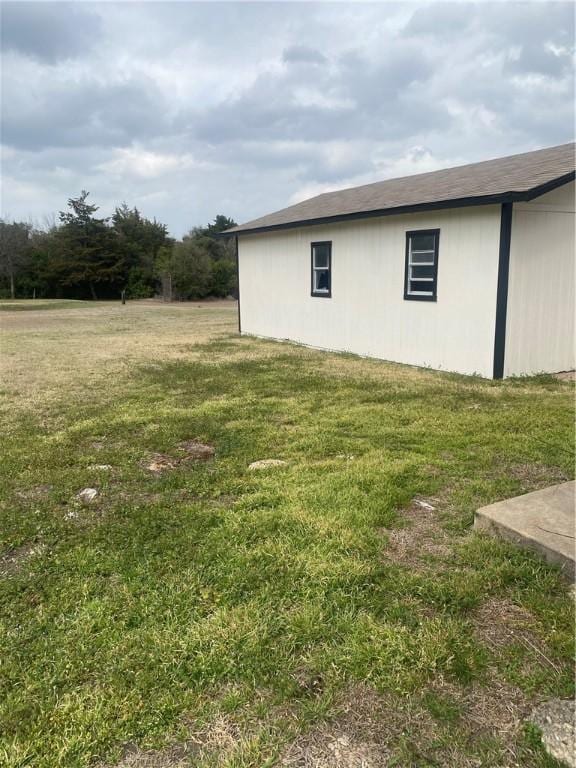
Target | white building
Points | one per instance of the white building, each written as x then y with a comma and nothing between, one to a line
469,269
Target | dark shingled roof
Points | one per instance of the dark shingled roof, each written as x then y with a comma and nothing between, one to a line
506,179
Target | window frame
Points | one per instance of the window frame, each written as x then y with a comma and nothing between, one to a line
321,294
434,280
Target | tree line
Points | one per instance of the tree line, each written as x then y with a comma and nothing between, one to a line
82,256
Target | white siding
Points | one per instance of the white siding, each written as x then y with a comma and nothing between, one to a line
540,321
367,313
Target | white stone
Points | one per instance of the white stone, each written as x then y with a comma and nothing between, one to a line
87,495
424,505
267,463
102,467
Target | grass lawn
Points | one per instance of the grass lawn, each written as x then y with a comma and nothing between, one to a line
312,614
28,305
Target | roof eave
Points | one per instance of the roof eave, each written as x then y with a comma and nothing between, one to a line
462,202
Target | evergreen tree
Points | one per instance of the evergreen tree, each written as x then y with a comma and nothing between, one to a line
138,243
87,250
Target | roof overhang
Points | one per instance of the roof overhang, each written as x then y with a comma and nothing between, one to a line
462,202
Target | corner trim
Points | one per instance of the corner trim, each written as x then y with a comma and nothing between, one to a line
502,290
237,250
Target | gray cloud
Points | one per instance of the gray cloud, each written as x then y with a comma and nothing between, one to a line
86,113
302,53
191,109
48,32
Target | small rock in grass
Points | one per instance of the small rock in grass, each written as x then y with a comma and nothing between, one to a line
267,463
555,719
424,505
87,495
346,456
100,467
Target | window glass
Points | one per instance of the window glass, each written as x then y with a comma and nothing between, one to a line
427,257
421,265
419,286
427,271
321,269
321,280
422,242
321,256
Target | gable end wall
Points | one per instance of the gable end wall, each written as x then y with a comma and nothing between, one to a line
540,320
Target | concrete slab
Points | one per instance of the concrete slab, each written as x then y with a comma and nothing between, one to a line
542,521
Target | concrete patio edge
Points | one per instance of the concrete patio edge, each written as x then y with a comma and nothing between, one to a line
542,521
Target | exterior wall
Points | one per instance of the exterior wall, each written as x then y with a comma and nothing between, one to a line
540,319
367,313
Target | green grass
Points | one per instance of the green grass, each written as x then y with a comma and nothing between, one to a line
209,591
33,305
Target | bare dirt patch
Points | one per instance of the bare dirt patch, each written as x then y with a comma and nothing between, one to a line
499,623
12,560
421,539
190,451
35,493
533,476
497,708
175,756
371,731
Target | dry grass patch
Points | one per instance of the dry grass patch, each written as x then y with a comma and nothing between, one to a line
499,623
189,451
533,476
35,493
496,708
371,730
422,538
102,344
176,756
12,560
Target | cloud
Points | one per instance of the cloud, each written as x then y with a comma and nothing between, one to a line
138,163
193,109
81,111
48,32
298,54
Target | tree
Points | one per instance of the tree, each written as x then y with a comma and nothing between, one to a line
191,270
138,242
220,224
207,238
223,278
87,252
14,250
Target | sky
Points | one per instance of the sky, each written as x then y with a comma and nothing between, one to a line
187,110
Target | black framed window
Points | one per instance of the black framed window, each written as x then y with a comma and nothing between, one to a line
421,270
322,269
